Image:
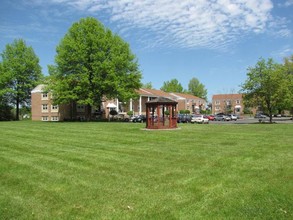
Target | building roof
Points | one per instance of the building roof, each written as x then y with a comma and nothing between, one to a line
38,88
153,93
227,96
185,96
171,95
162,100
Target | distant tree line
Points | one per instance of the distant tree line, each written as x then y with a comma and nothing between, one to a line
194,87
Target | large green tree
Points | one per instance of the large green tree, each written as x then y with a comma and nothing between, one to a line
288,67
196,88
267,86
91,64
19,74
172,86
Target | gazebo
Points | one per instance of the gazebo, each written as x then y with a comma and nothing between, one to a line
161,113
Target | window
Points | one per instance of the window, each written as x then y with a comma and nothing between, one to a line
237,101
55,118
218,108
54,108
45,118
80,108
228,102
217,102
45,108
44,96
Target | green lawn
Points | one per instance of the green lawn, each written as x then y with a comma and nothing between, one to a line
118,171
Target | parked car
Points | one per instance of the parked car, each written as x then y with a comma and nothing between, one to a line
183,118
259,115
222,118
199,119
233,117
210,117
139,118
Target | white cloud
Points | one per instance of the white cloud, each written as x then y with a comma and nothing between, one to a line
283,52
185,23
289,3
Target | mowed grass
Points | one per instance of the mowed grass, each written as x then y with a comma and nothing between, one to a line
119,171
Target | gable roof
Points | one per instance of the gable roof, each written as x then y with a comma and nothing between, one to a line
227,96
162,100
185,96
38,88
153,93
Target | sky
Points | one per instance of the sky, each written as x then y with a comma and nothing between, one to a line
215,41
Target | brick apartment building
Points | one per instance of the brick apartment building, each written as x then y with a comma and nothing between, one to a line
43,108
227,103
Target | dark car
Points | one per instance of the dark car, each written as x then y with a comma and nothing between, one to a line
183,118
139,118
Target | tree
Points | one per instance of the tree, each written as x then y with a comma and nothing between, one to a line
267,86
288,66
147,86
196,88
93,64
20,73
172,86
288,63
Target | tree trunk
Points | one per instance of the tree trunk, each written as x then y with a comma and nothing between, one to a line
17,109
89,112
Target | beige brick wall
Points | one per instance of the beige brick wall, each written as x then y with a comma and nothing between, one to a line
36,103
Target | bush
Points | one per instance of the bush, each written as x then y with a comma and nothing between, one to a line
130,113
186,111
6,112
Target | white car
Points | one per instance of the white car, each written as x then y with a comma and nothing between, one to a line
199,119
233,117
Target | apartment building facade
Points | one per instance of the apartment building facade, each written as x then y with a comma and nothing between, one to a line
43,108
228,103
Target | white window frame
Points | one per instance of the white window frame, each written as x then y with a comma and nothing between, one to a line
217,102
54,108
45,118
45,108
45,96
54,118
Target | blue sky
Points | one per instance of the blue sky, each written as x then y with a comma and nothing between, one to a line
212,40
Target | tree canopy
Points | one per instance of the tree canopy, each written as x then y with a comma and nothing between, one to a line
267,86
20,72
91,64
147,85
196,88
172,86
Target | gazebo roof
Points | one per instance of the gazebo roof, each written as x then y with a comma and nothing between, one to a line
161,100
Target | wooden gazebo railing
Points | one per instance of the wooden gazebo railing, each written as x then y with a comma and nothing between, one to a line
161,113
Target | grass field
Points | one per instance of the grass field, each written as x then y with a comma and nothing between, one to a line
118,171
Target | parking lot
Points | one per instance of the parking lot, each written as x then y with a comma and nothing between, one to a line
252,120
